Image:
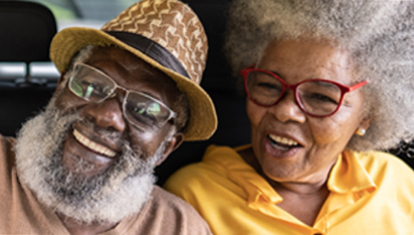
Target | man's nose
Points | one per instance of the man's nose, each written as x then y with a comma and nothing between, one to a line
106,114
286,109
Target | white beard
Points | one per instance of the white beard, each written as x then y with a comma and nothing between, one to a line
118,192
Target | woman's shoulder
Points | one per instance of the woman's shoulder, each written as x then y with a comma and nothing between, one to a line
381,158
214,169
213,163
383,164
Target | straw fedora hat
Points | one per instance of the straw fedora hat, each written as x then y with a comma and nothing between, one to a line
166,34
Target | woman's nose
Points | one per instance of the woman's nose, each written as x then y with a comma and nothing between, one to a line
287,109
106,114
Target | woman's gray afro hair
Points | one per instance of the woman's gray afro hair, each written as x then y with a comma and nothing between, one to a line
379,35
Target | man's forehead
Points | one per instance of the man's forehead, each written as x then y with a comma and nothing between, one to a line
131,72
124,62
117,56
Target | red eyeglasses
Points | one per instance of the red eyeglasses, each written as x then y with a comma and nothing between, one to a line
315,97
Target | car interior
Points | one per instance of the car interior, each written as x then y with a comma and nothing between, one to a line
22,97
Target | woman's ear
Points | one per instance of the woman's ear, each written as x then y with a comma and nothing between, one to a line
363,126
172,145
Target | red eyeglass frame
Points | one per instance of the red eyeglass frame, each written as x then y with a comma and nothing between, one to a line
344,89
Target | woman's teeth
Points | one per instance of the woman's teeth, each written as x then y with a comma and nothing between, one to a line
93,145
283,140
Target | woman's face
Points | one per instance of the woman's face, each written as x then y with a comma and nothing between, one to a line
290,145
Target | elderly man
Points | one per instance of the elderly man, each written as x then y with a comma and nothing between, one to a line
128,96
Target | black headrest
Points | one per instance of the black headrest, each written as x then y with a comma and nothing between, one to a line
27,29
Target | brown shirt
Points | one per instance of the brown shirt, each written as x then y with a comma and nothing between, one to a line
21,213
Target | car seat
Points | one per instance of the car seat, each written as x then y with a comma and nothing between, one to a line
20,100
27,29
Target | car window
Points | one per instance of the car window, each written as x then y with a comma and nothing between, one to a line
68,13
91,13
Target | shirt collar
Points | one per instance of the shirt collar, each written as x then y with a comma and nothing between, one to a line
257,189
348,175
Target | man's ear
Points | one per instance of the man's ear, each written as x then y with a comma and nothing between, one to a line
172,145
60,83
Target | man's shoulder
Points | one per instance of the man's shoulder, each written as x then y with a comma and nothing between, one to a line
7,144
7,155
169,214
161,196
169,203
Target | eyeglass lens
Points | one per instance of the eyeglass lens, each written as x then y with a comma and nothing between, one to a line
140,109
315,97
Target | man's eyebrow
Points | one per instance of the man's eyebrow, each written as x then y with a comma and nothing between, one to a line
101,70
97,67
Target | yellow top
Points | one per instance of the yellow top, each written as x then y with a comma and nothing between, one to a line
370,193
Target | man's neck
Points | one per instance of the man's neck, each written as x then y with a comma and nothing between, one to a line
76,228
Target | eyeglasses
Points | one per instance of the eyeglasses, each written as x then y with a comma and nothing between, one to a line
315,97
141,110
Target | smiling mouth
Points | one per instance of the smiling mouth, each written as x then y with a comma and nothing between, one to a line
282,143
93,145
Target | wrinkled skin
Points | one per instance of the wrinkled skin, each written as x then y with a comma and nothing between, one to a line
80,183
133,74
302,171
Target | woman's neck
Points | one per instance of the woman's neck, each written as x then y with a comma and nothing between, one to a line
303,200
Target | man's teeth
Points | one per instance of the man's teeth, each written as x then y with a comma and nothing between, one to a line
93,145
283,140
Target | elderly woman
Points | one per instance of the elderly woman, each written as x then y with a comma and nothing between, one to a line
328,84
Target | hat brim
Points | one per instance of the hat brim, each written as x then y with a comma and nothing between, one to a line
202,121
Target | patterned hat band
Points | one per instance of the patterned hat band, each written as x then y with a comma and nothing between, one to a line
151,49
